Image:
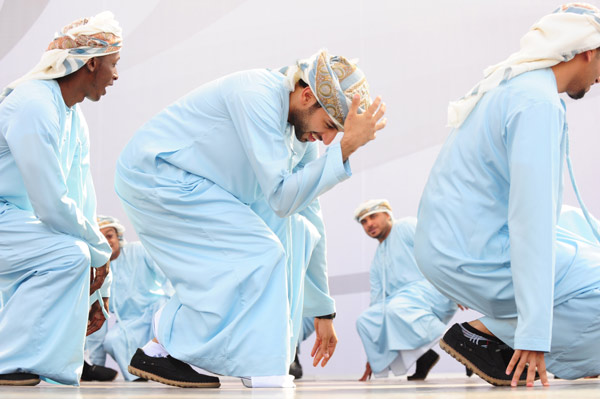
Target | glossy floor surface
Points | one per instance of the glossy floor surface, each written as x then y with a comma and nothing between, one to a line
436,386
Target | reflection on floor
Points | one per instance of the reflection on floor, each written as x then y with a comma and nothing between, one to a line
436,386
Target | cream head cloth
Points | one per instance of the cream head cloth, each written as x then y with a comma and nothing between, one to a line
372,206
571,29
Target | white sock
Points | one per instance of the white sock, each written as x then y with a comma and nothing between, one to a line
155,349
273,381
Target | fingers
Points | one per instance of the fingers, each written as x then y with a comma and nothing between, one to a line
519,369
92,327
380,111
98,280
354,106
316,346
541,367
96,319
531,371
381,124
513,361
327,352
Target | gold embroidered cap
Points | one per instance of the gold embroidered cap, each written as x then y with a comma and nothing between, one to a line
335,80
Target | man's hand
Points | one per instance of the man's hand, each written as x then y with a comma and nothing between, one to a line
535,360
325,342
97,279
461,307
95,318
367,374
359,129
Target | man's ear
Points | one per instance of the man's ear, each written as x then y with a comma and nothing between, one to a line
307,96
92,64
588,55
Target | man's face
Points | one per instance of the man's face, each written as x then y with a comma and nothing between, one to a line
104,75
590,74
110,233
313,124
377,225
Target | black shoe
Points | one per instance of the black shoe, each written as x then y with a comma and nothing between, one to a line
19,379
140,380
170,371
469,371
424,365
296,368
97,373
487,362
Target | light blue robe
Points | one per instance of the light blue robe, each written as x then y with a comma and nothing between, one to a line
48,233
187,180
572,219
488,237
407,315
138,290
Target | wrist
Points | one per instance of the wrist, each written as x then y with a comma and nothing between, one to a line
326,317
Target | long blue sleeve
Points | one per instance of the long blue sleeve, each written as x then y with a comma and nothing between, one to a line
533,138
256,117
42,148
317,301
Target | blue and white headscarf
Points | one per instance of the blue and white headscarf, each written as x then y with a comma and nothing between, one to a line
372,206
334,80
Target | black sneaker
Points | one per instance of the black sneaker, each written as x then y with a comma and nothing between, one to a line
296,368
170,371
93,372
424,365
489,362
19,379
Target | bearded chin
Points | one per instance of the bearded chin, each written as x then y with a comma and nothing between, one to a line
577,96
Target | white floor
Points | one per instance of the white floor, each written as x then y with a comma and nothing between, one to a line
436,386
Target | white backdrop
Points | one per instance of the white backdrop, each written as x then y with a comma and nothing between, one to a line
416,55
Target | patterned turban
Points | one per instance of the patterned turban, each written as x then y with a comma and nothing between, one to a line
109,221
558,37
73,47
334,80
372,206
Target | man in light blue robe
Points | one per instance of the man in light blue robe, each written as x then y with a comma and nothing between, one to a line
49,237
573,219
407,315
487,235
243,278
139,288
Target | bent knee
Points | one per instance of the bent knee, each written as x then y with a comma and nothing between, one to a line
77,254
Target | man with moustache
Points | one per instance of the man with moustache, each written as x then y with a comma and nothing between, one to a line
49,237
222,190
407,315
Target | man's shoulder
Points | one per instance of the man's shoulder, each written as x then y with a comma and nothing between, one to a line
535,86
405,225
38,94
43,89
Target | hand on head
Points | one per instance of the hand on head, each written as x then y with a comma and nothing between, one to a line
359,129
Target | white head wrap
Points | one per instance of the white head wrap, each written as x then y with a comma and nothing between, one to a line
334,80
73,47
109,221
372,206
571,29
